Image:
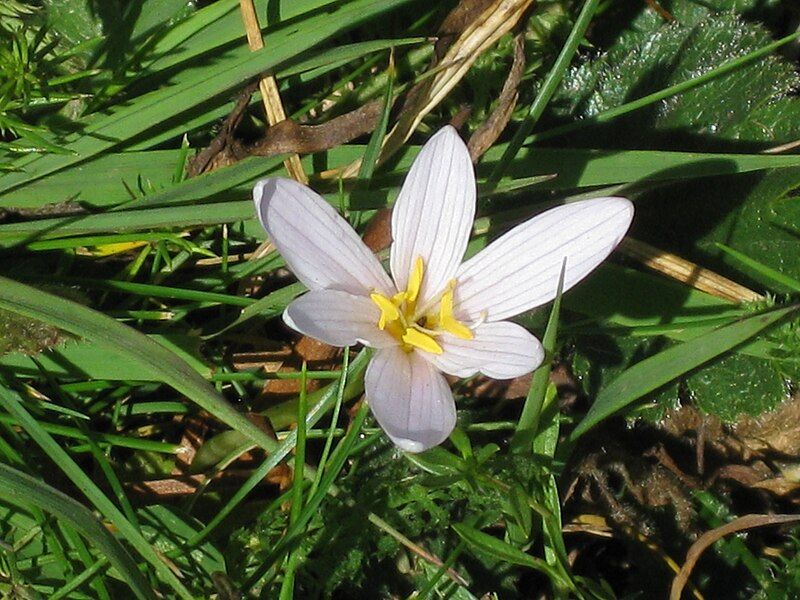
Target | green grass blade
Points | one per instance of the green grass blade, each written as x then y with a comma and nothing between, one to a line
767,274
653,372
491,546
373,149
528,423
267,307
296,531
21,489
195,88
240,174
326,401
14,234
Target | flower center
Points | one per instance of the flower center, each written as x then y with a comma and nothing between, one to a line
419,328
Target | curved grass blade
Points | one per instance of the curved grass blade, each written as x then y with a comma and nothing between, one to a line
549,86
528,424
491,546
22,490
127,344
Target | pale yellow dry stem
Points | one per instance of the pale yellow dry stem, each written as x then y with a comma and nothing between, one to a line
687,272
497,20
270,95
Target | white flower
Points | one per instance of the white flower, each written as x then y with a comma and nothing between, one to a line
435,314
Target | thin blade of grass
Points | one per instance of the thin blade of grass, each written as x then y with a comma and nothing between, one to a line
528,424
295,531
14,234
196,87
373,149
491,546
326,401
549,86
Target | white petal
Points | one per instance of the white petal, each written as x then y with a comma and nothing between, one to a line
337,318
433,215
501,350
410,399
319,246
520,270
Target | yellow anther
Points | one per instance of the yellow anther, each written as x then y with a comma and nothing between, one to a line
457,328
447,320
415,280
418,331
417,339
389,311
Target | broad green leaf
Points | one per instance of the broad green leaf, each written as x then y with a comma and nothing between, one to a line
751,104
737,384
755,215
653,372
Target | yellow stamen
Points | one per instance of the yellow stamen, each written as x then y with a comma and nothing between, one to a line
447,320
415,280
389,311
399,319
414,337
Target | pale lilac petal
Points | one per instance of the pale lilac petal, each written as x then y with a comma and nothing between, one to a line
337,318
433,215
410,399
520,270
318,245
501,350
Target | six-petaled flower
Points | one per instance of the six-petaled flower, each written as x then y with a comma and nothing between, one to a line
434,314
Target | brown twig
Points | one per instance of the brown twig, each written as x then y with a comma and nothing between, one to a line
288,136
224,139
481,30
709,537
